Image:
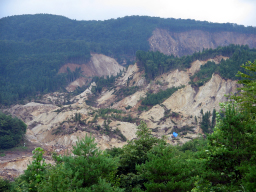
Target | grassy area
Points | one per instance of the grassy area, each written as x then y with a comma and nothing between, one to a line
2,154
18,148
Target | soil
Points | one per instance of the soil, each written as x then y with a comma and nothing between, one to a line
14,153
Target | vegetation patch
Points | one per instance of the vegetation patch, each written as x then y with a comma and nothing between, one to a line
183,130
204,74
12,131
157,98
125,91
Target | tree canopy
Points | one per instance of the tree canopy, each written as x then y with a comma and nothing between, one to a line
12,131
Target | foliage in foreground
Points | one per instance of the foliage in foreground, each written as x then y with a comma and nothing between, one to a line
88,169
230,158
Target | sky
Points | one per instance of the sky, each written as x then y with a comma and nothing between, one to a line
242,12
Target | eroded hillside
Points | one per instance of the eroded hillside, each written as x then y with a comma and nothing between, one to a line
99,65
188,42
117,111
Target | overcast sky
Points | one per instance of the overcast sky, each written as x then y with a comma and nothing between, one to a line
221,11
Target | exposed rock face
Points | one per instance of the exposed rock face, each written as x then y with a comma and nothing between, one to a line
42,119
28,111
77,83
99,65
131,100
132,77
174,78
80,99
108,95
189,102
186,43
154,114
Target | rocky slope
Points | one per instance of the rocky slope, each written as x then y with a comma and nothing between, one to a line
51,125
57,128
99,65
188,42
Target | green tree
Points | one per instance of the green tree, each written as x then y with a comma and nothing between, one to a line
5,185
213,118
57,178
230,163
88,169
247,97
35,171
135,153
168,169
88,165
12,131
229,149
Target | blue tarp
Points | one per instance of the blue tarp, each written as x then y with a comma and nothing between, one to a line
175,134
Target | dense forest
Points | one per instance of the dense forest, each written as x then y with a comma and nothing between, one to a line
31,68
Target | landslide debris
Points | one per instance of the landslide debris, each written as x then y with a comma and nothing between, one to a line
114,119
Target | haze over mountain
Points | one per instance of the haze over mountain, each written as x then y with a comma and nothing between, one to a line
228,11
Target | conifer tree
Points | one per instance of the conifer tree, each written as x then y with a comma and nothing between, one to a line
247,97
88,164
230,161
168,169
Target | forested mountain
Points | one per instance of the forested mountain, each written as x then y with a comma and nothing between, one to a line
34,47
114,37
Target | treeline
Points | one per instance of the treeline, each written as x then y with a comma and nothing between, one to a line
227,69
156,63
32,27
120,37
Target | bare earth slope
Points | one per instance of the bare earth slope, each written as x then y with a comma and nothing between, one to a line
185,43
56,128
99,65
